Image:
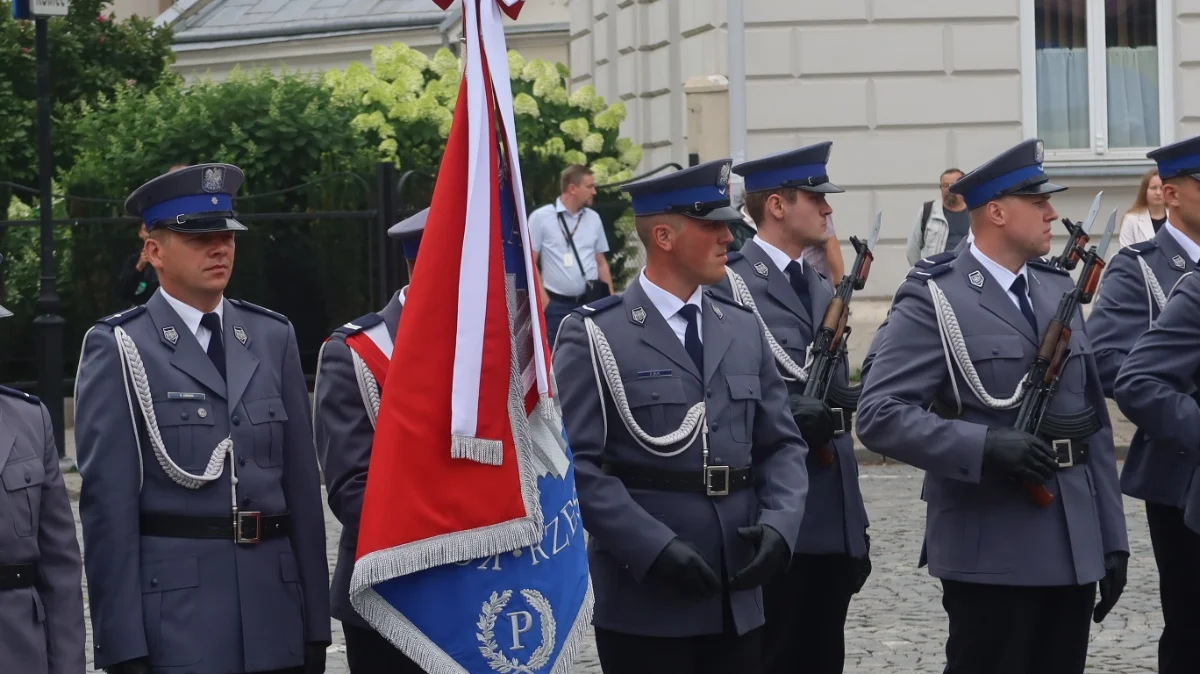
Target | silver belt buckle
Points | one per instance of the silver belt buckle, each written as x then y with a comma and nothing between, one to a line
247,527
1063,447
709,472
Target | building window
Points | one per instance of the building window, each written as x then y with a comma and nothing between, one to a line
1099,74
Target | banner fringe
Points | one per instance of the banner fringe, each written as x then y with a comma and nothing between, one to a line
583,622
489,452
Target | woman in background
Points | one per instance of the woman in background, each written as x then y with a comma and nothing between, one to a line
1148,213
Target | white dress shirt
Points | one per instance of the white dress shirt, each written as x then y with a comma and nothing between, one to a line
191,317
1003,276
669,305
1190,247
779,257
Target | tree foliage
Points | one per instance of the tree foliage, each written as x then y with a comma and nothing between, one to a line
91,56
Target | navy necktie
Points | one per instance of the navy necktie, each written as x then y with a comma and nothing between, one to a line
216,349
800,285
691,337
1018,288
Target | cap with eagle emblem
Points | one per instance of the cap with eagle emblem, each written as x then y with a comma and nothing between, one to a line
700,192
191,200
804,168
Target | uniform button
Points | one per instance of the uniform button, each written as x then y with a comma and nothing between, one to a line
153,582
964,470
783,340
236,420
202,413
995,352
245,501
241,460
709,392
28,478
654,396
271,410
751,389
714,426
184,416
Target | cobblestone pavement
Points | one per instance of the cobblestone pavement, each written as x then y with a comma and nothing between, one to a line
896,624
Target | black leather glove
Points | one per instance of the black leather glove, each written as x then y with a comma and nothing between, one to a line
314,658
1116,564
681,566
1017,454
814,418
135,666
862,567
771,556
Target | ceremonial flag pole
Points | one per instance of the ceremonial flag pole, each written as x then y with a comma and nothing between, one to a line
471,551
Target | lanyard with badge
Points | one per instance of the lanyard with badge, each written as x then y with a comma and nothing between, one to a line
569,259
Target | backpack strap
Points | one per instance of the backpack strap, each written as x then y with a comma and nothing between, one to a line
925,211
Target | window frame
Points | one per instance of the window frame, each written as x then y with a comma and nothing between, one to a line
1099,152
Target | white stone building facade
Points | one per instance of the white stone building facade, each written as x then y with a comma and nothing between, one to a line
908,88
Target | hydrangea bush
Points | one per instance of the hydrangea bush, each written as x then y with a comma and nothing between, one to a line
408,100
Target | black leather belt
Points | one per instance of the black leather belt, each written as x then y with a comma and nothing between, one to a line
1070,452
243,527
713,481
575,300
17,576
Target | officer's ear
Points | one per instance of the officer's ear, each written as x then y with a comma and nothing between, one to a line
156,241
1171,188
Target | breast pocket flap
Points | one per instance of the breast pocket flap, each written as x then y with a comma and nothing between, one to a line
266,410
655,391
990,347
183,413
23,474
744,386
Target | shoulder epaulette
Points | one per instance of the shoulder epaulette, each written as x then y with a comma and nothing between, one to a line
736,255
924,273
935,260
1139,248
262,310
723,299
4,390
1041,264
593,308
122,316
359,324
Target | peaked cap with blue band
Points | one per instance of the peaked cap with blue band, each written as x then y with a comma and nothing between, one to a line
409,231
1017,171
191,200
700,192
1178,159
803,169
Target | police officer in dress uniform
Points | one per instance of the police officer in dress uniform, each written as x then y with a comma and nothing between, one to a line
806,607
1155,389
344,424
1019,580
690,469
41,593
204,534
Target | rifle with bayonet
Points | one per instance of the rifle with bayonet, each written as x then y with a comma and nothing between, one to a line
1078,237
1034,417
829,346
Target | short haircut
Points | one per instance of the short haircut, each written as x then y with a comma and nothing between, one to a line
951,170
756,202
573,175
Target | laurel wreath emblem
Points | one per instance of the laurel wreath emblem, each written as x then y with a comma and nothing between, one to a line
487,637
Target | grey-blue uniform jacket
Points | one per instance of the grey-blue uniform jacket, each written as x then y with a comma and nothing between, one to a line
749,425
200,606
1125,307
41,615
1156,389
980,528
344,434
835,518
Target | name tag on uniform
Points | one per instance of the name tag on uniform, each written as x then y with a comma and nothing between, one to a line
176,395
654,373
569,260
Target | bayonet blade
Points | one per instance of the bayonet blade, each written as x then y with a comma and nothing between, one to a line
874,237
1108,232
1090,221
